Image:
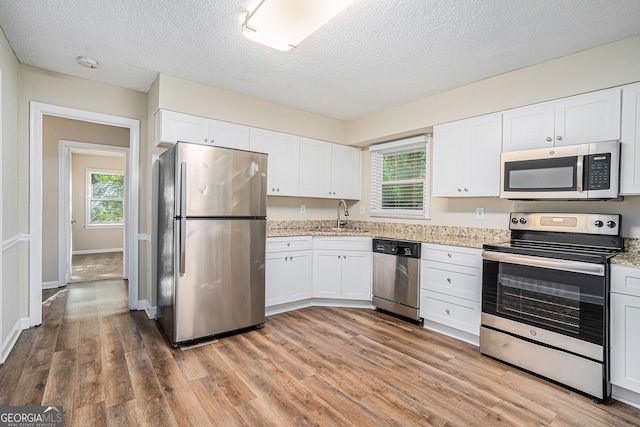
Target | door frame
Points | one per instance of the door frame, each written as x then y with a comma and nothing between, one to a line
64,203
37,111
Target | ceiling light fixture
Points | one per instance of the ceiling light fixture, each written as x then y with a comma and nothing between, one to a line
87,61
283,24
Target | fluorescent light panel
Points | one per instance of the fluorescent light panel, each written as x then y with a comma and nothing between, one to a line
283,24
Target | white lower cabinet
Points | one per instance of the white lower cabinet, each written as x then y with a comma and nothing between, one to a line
288,270
342,268
625,330
451,290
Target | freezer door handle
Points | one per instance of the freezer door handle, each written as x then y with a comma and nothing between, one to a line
183,245
183,189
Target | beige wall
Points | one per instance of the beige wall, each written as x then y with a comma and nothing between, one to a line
606,66
55,129
57,89
13,264
89,240
207,101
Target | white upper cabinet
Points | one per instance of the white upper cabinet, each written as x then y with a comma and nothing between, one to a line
172,127
329,170
230,135
591,117
283,150
630,141
466,157
529,127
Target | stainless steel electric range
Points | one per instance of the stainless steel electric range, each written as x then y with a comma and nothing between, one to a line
545,297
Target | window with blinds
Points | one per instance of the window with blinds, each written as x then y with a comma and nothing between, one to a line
399,178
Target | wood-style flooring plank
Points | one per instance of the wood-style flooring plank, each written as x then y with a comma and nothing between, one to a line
320,366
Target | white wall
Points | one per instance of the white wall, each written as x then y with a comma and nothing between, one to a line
13,267
87,239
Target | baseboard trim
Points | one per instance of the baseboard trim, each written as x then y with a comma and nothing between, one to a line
96,251
51,285
12,338
152,312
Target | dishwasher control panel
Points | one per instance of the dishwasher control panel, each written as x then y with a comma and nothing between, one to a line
397,247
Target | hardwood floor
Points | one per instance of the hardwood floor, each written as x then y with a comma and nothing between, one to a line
316,366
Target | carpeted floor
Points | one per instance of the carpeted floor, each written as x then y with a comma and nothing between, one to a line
89,267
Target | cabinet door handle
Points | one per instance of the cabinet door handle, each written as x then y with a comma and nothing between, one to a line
466,189
448,279
449,255
559,138
549,139
344,257
459,190
447,311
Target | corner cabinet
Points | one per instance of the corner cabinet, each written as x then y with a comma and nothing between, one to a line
630,141
288,270
283,168
171,127
451,290
466,157
329,170
625,330
591,117
342,268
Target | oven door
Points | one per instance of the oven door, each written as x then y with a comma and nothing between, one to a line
565,297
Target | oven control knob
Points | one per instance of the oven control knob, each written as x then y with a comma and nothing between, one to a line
523,220
611,224
599,223
514,220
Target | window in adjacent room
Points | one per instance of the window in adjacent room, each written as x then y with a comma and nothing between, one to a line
399,178
105,198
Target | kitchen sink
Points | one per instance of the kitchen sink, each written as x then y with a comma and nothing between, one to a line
339,230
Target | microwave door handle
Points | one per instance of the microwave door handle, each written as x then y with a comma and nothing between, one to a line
580,174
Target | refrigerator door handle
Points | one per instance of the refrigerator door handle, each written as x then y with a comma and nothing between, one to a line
183,245
183,189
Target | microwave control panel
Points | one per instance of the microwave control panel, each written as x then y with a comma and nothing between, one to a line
598,171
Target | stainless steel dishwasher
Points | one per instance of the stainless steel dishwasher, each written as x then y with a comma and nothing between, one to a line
396,277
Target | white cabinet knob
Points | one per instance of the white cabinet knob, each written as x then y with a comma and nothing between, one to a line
447,311
448,279
559,138
459,190
466,189
549,139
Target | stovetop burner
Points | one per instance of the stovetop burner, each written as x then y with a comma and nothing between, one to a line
593,238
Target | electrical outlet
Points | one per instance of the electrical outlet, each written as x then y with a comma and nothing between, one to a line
479,213
361,210
303,209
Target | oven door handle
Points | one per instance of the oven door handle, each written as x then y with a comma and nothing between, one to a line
554,264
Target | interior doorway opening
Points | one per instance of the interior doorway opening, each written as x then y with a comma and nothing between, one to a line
92,212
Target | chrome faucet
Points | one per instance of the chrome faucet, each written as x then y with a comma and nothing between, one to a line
346,214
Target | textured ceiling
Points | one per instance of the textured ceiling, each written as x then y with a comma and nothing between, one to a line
375,55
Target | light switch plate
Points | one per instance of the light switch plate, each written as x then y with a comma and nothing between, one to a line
361,210
479,213
303,209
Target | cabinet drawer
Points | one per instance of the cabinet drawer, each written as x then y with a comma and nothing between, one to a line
625,280
343,243
469,257
295,243
455,280
450,311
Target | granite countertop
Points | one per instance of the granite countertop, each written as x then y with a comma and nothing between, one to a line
631,254
443,235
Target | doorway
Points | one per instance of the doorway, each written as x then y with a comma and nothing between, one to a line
37,113
91,220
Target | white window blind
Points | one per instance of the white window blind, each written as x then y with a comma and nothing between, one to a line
399,178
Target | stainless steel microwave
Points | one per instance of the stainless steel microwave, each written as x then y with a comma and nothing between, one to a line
572,172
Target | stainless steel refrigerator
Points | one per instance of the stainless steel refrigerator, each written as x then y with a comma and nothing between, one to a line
211,241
